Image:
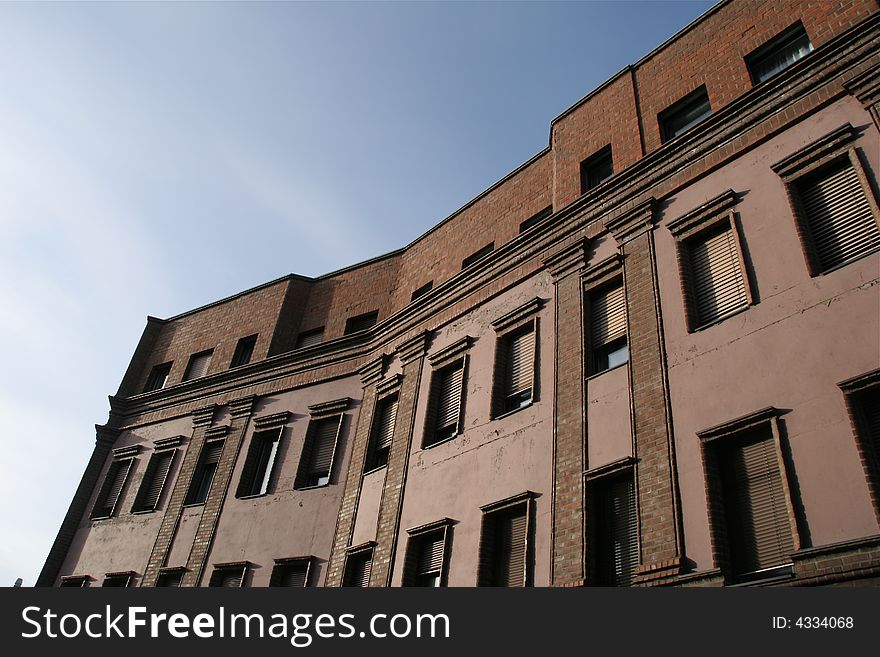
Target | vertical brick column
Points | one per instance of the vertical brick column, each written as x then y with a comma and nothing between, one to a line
866,88
656,479
567,564
105,437
370,374
162,545
412,355
240,411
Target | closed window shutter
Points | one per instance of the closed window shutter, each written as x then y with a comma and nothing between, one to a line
323,445
310,338
213,451
871,408
169,580
358,569
449,396
111,489
227,577
430,553
504,547
198,366
154,481
607,316
294,575
617,533
257,471
520,366
716,276
841,224
754,496
385,430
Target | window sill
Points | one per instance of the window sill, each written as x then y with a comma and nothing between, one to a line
252,496
610,369
723,318
771,575
441,442
144,512
191,505
316,486
515,410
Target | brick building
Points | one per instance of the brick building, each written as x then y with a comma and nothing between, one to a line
650,355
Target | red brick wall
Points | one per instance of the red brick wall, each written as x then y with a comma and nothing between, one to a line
217,327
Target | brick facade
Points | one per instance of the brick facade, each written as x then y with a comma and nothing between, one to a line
644,417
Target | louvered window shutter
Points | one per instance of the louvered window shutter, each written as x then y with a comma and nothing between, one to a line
154,480
871,408
213,450
257,471
227,577
323,447
716,276
503,547
111,489
385,430
617,533
449,388
520,365
294,575
198,366
607,316
358,567
841,223
310,338
430,553
754,495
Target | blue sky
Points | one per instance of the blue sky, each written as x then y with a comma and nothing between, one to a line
158,156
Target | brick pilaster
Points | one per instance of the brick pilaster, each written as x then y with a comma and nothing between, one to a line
104,439
660,543
567,564
162,545
370,374
412,355
240,412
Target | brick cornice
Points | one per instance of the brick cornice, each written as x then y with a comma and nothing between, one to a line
165,443
830,144
568,260
126,452
372,371
634,221
203,416
330,407
242,407
389,385
450,353
865,86
415,347
105,435
271,421
517,315
706,212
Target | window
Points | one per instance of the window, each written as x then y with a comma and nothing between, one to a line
749,503
316,462
478,255
614,537
505,552
358,564
203,475
607,310
869,405
779,53
158,377
382,433
75,581
259,465
111,490
839,222
422,291
426,555
198,365
361,322
534,220
515,365
121,580
596,169
862,395
170,577
684,114
291,573
445,404
229,575
244,351
309,338
153,483
711,261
